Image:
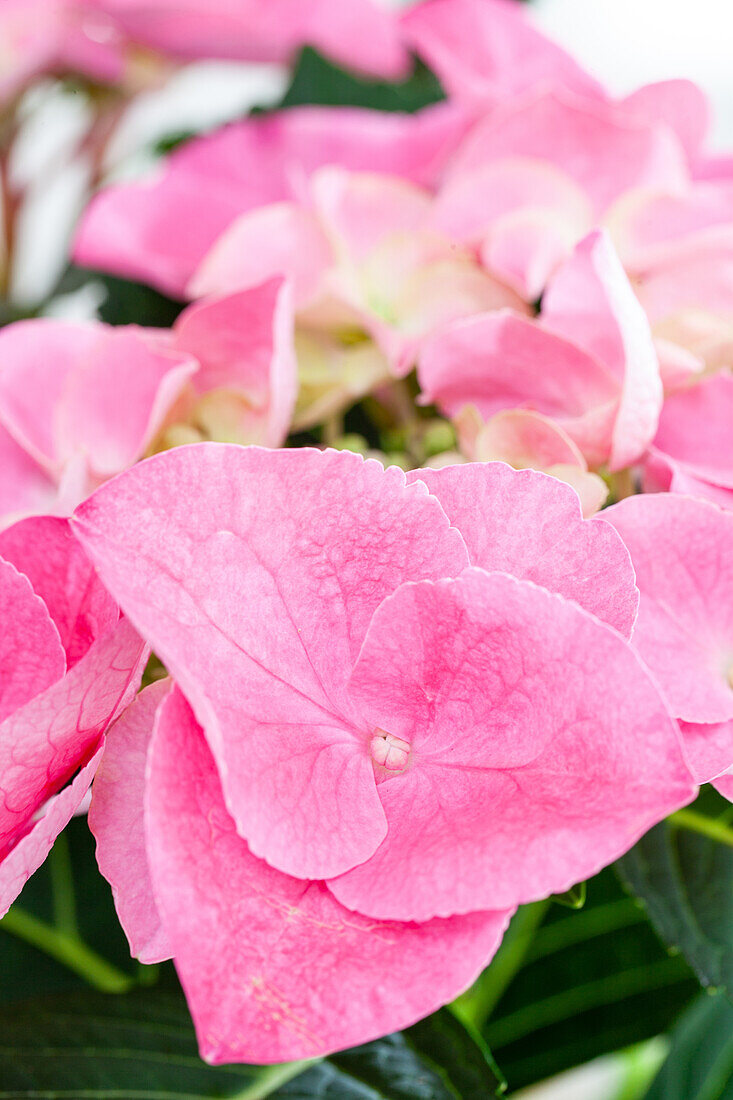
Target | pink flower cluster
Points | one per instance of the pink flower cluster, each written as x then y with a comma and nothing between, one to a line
398,703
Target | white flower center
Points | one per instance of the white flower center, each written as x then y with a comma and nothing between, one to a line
389,751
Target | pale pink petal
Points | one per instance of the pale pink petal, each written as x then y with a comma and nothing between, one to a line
530,525
31,655
244,344
589,300
588,140
528,769
491,361
488,50
695,430
160,230
45,550
677,365
662,474
682,550
116,820
273,967
278,240
191,542
116,399
709,748
33,847
43,743
360,34
25,487
680,103
725,786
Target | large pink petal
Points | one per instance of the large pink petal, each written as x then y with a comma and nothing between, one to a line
254,575
589,300
43,743
45,550
682,550
116,820
589,140
530,525
273,967
31,655
160,230
488,50
680,103
491,361
529,769
31,850
244,343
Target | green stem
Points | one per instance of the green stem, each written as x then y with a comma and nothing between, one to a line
706,826
273,1077
69,950
62,886
476,1005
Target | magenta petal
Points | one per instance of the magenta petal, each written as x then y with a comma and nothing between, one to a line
682,550
43,742
273,967
116,820
530,525
31,850
31,655
254,575
45,550
529,770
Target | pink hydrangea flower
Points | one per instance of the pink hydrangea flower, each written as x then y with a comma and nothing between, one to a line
692,451
682,550
68,667
600,377
42,36
399,722
361,34
80,402
159,231
361,254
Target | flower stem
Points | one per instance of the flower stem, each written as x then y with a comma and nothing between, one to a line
706,826
68,950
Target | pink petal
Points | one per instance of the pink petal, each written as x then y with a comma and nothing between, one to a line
360,34
725,786
488,50
273,967
695,430
45,550
160,230
529,525
709,748
277,240
662,474
244,343
31,655
254,575
116,820
31,850
588,140
490,361
590,301
44,742
679,103
25,487
682,550
529,770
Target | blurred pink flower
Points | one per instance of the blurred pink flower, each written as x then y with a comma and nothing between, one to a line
588,363
68,667
404,694
80,402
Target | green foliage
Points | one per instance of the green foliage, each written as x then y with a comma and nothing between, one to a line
685,880
700,1061
316,80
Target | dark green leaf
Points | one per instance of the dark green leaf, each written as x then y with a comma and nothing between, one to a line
317,80
585,983
141,1046
685,880
700,1062
126,302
